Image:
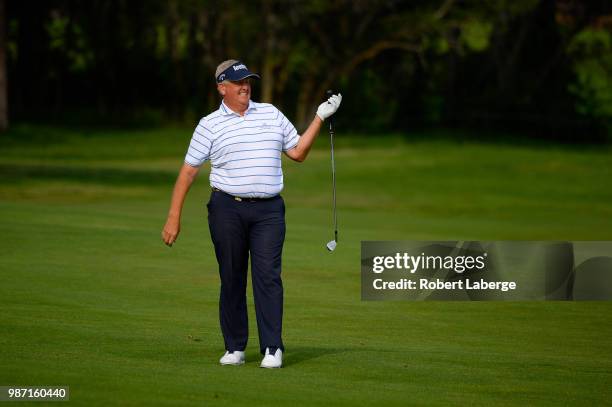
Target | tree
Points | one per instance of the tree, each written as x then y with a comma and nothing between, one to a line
591,50
4,120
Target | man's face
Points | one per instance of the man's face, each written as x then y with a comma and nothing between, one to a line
236,92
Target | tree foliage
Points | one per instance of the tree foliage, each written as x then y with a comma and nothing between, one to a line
591,50
401,63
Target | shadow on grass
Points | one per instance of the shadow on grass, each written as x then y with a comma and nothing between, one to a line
18,173
297,355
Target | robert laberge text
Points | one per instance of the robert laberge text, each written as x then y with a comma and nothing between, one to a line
437,284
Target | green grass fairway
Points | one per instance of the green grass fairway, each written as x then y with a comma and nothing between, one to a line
92,299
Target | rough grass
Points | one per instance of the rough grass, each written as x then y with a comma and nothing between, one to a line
91,298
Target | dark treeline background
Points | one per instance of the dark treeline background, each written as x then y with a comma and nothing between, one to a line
543,66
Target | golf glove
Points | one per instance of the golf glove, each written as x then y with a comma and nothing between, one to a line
328,108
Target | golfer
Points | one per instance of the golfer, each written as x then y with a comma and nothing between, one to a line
246,214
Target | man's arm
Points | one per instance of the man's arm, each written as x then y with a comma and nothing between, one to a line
300,151
326,109
173,225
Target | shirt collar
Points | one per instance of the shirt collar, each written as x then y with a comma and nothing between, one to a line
227,111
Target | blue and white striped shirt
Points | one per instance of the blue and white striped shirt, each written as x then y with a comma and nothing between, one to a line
244,151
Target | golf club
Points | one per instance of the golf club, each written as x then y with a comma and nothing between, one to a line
331,245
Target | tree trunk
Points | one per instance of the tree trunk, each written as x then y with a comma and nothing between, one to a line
4,122
174,31
267,69
267,81
304,103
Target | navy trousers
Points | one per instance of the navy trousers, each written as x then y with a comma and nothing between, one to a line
237,229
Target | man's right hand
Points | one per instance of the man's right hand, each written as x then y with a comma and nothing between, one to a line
171,231
183,182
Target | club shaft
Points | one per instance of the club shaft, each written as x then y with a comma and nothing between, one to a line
333,164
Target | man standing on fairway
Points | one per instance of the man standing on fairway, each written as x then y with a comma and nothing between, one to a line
246,215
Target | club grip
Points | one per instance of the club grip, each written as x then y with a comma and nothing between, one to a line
329,94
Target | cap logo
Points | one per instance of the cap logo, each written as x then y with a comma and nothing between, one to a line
238,67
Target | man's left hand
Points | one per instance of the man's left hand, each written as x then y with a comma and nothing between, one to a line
328,108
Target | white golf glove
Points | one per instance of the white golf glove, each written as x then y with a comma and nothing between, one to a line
328,108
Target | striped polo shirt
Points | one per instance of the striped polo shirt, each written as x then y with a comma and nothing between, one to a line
244,151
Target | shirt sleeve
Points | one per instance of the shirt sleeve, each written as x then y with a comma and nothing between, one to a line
199,147
290,135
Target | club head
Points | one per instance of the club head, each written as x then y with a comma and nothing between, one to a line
331,246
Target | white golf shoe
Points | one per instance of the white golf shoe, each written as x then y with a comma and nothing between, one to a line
272,361
233,358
